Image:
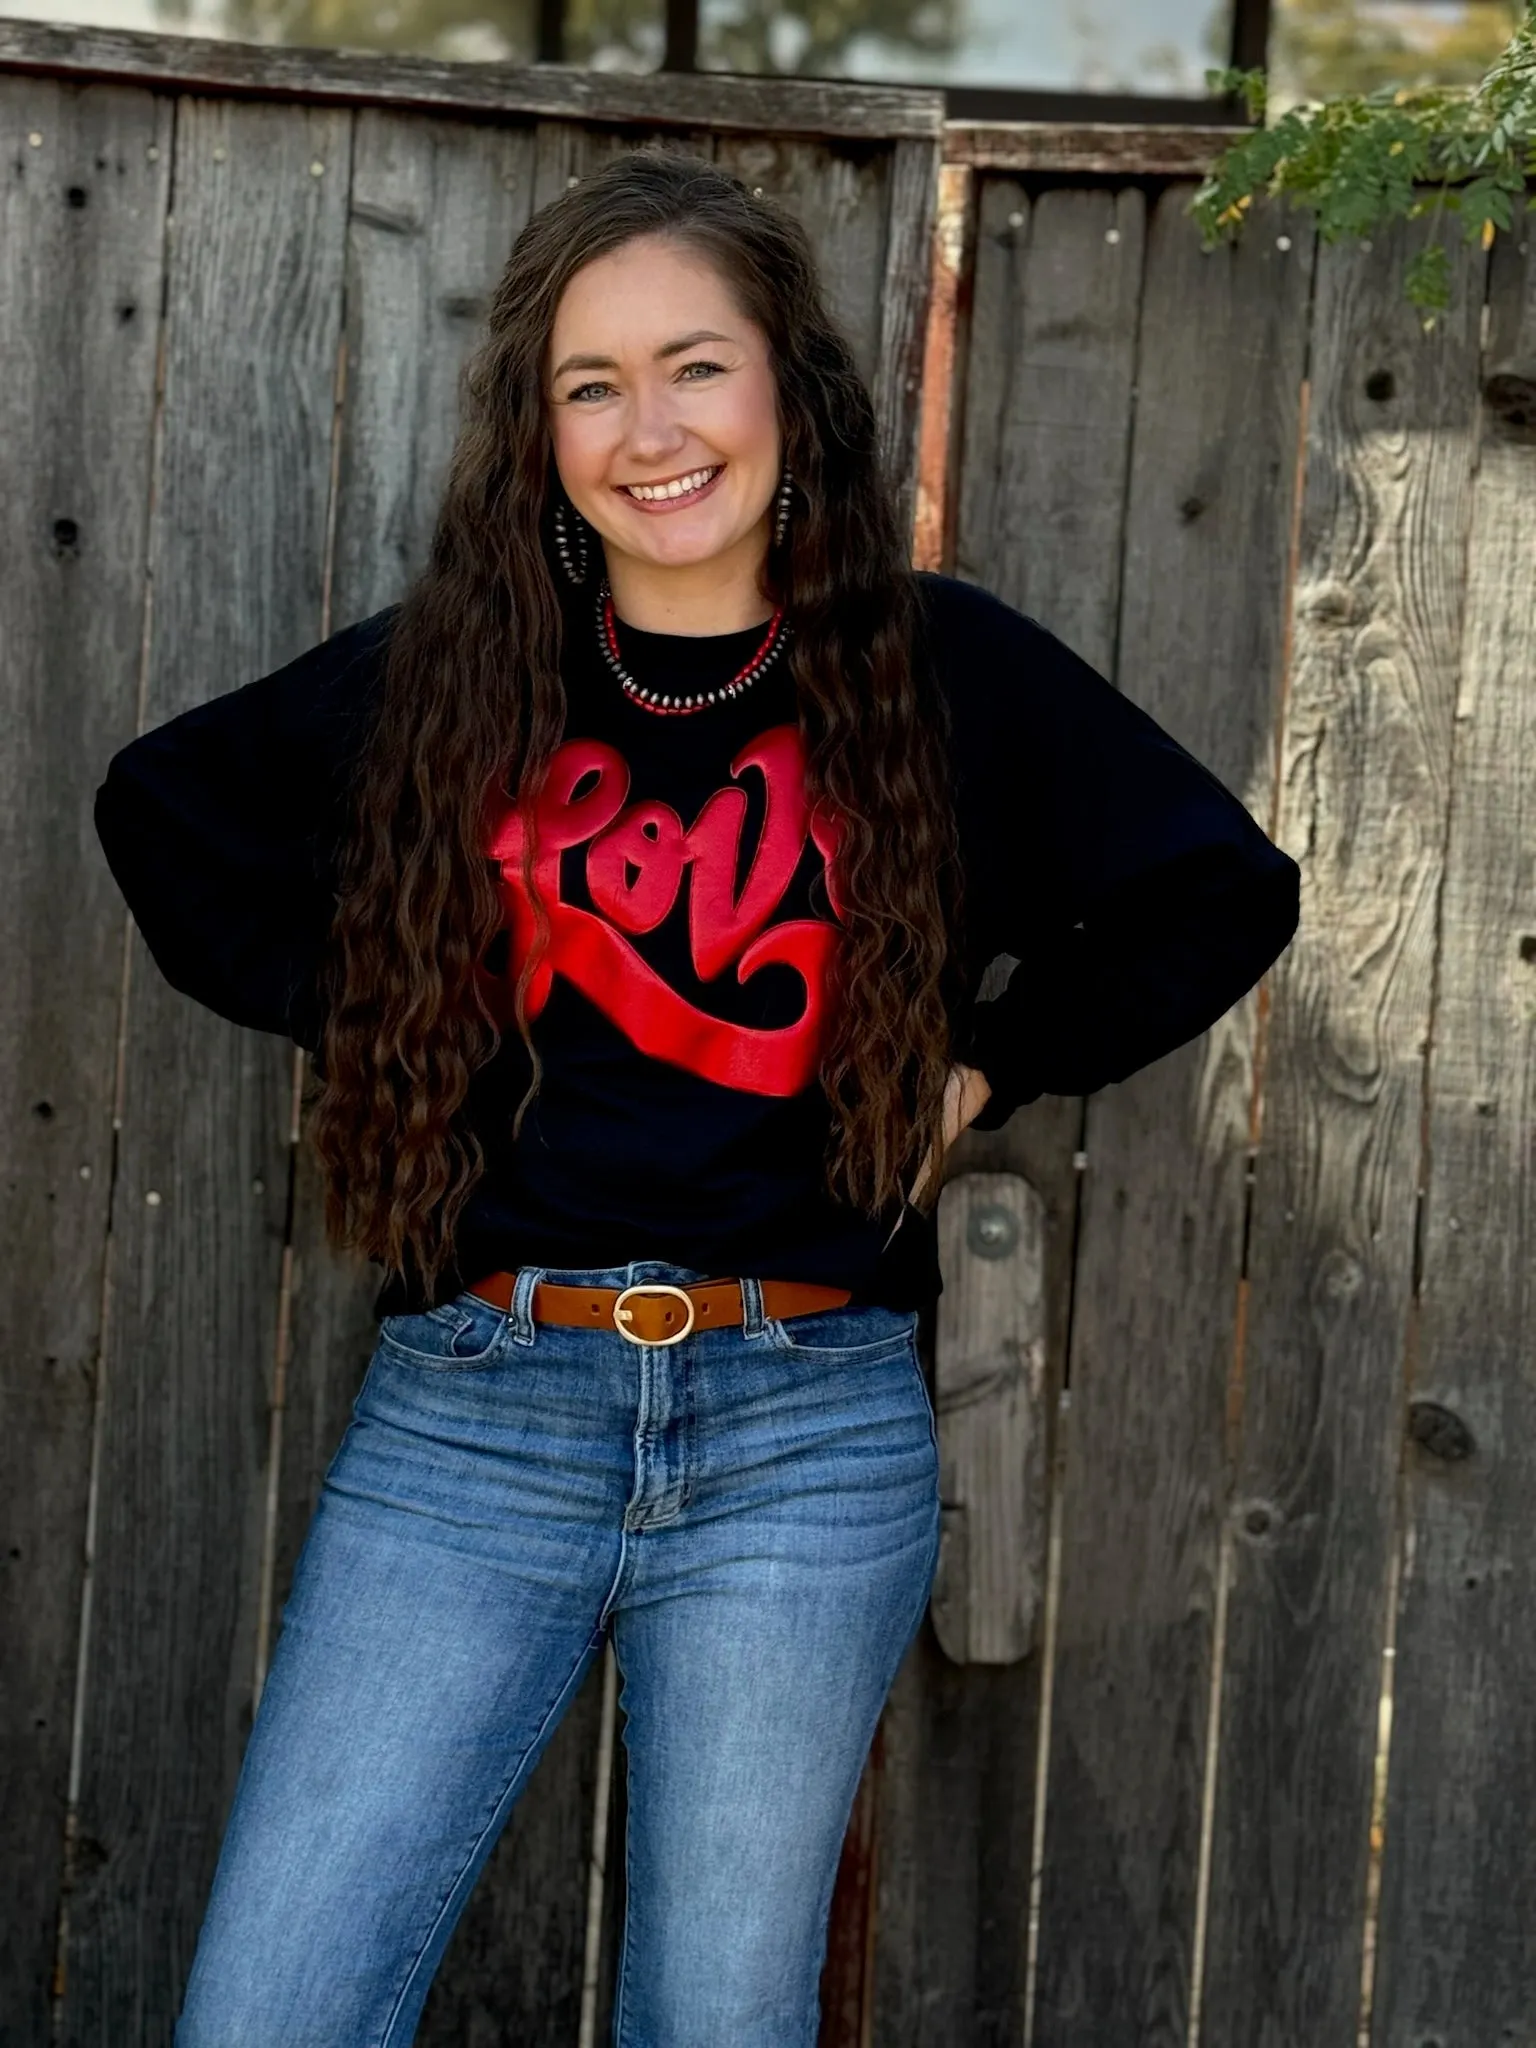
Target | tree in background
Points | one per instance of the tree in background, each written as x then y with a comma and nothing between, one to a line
1395,152
812,38
1321,48
786,37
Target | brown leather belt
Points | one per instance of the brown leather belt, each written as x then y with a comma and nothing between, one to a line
656,1311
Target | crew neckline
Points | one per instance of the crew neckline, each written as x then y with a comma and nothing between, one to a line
645,637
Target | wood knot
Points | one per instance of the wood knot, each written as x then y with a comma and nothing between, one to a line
1341,1275
1329,603
1258,1519
1440,1431
1511,398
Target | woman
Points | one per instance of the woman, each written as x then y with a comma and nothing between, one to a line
632,882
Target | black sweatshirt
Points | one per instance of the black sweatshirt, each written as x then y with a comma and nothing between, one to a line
679,1012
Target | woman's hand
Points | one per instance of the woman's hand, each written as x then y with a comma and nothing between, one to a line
965,1095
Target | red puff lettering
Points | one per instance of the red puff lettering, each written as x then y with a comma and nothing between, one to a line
635,864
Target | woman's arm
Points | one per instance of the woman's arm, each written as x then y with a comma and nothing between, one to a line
1137,894
220,827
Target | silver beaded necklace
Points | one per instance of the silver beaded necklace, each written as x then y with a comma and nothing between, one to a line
654,700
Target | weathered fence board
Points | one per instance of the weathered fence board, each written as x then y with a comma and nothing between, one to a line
1046,405
1219,370
80,267
1454,1959
570,92
1046,399
897,376
1364,777
201,1193
988,1595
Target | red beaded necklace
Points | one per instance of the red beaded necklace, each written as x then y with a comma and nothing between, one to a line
655,700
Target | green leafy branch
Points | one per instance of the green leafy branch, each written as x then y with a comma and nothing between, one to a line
1361,160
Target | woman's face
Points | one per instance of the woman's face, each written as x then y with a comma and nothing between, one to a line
627,405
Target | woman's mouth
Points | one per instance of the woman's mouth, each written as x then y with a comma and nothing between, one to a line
687,489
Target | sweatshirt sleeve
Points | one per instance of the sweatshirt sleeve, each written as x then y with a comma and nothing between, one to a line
221,828
1137,894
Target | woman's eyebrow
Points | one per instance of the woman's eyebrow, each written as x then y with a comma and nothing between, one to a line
668,348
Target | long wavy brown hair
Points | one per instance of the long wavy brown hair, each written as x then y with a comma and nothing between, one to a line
472,707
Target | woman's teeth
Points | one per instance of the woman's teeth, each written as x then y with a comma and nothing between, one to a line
678,488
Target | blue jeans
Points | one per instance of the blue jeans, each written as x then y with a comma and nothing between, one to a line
754,1509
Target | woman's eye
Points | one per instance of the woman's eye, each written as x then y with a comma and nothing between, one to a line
718,368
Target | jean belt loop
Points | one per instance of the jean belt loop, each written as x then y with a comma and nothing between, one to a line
521,1312
751,1306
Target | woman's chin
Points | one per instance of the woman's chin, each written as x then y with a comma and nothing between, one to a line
684,550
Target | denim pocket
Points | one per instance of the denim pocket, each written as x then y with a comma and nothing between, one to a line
463,1332
922,1380
854,1331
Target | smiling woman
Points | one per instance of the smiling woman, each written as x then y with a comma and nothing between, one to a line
635,888
664,403
675,457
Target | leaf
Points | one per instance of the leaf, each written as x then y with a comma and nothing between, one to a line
1361,160
1426,282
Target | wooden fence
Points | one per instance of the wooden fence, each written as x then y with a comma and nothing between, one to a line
1260,1348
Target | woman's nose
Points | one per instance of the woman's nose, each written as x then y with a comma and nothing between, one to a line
654,425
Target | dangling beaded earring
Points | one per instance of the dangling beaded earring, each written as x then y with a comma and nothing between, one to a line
781,516
562,542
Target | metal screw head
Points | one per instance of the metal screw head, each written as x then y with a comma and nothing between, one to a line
991,1231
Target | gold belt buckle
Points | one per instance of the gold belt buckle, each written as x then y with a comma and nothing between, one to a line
623,1315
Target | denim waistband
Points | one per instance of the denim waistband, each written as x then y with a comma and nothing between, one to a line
635,1273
